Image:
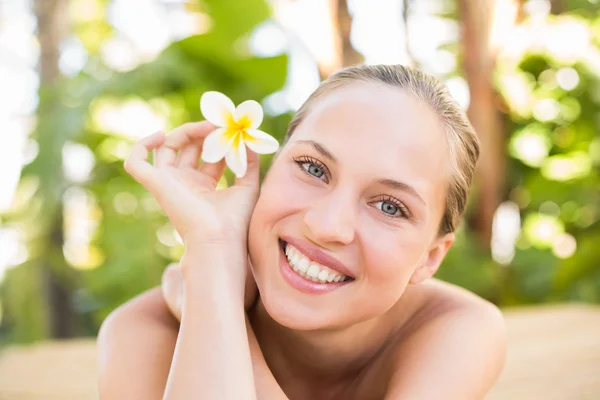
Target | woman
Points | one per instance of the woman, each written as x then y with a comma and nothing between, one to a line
369,186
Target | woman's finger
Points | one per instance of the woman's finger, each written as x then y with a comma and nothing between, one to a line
181,136
252,176
214,171
165,156
190,155
136,163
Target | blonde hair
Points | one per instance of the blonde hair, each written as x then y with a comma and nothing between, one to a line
462,140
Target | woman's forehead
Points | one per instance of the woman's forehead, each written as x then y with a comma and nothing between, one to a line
366,118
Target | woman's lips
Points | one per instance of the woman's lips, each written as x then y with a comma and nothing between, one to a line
299,282
314,253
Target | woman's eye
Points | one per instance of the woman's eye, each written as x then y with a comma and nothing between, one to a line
389,208
313,169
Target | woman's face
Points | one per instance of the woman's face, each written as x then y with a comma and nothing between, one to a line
359,190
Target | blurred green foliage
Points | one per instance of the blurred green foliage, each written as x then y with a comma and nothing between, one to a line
132,241
552,106
549,80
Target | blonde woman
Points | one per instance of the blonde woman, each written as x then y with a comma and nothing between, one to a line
369,187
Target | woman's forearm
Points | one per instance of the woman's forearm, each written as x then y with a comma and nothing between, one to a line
267,388
212,355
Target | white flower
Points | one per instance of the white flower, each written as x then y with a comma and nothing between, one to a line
237,128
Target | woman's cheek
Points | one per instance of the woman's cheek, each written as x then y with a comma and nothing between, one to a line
287,193
390,256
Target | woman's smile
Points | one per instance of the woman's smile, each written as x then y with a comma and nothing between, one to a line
306,274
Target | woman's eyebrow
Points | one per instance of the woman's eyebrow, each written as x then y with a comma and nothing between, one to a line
401,186
319,148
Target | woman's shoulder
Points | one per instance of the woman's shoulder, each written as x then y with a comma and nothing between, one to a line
452,345
441,291
448,316
435,299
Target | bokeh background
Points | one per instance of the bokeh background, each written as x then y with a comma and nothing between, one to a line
81,80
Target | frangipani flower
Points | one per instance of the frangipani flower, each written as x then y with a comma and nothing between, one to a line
237,128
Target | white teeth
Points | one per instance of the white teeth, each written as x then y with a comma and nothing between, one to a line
310,270
295,257
323,275
313,271
303,265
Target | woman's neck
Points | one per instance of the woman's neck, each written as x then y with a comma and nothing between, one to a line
324,357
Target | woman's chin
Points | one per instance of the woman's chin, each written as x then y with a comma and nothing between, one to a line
291,314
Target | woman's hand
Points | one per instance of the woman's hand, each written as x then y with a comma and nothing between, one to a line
187,192
203,216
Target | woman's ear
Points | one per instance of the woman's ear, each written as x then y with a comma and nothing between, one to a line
436,253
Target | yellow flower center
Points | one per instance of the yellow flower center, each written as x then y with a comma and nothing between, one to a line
243,123
238,130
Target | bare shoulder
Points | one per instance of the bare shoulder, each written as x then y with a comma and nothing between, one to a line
439,298
455,347
135,346
149,306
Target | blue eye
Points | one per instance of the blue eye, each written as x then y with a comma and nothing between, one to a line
393,208
313,169
387,207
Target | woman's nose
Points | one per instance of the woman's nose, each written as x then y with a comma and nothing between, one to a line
332,219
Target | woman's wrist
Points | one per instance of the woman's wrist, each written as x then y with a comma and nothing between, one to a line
215,269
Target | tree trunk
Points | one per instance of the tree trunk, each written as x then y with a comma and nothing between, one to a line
349,56
557,7
405,17
52,19
341,25
479,57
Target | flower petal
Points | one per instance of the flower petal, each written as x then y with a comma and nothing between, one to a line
261,142
249,114
236,158
217,108
216,145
